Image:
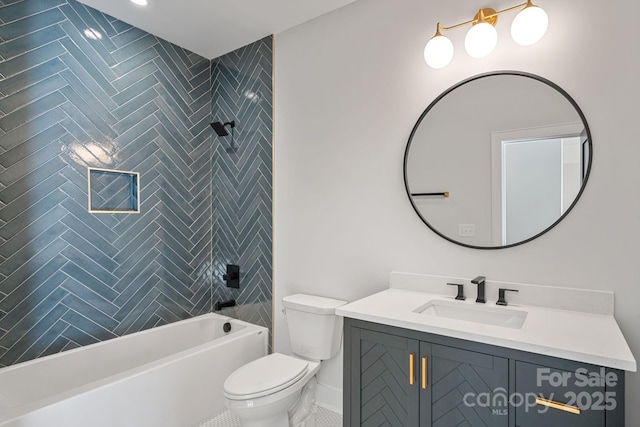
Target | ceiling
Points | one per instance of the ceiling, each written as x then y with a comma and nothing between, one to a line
212,28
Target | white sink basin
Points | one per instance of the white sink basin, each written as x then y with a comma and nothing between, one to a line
477,313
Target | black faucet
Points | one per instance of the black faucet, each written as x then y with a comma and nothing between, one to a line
480,282
501,291
460,295
224,304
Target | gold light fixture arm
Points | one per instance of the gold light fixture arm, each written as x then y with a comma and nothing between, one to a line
453,27
484,15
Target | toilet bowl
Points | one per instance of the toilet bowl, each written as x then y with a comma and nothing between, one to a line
278,390
262,392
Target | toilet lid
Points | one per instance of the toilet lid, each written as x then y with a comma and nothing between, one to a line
264,376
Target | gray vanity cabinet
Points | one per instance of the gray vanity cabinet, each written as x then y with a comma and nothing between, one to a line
400,381
397,377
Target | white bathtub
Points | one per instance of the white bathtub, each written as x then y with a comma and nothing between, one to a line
168,376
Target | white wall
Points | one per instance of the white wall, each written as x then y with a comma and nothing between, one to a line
349,87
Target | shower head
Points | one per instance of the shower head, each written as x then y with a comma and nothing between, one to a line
219,127
221,130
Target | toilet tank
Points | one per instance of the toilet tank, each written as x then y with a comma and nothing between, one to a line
314,329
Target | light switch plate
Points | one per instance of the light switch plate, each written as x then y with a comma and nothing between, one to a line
466,230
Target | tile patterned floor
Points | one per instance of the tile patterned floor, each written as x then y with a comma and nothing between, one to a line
324,418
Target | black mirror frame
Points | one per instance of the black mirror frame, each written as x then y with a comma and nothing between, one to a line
480,76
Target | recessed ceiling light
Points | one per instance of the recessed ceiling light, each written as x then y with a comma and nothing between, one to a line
140,2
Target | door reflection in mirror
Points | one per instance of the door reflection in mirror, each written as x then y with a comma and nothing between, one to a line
540,180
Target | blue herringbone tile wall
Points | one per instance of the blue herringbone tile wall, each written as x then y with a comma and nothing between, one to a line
79,88
242,91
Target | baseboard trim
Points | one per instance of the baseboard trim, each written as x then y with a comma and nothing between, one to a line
329,398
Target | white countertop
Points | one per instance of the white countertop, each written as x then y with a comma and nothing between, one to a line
575,335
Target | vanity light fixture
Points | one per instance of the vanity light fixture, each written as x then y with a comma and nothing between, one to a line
140,2
529,26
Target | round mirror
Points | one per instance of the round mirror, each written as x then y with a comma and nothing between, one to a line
497,160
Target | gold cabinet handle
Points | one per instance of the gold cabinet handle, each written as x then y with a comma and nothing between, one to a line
424,372
558,405
412,368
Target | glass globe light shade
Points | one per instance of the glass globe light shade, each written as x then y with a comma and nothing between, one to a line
438,52
529,25
480,40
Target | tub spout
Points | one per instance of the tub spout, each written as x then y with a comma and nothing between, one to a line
223,304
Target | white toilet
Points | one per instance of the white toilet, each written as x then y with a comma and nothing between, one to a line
279,390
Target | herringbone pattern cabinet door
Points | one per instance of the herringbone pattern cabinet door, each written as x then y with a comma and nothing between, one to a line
465,386
387,397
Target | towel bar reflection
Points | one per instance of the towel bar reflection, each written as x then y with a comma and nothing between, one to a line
444,194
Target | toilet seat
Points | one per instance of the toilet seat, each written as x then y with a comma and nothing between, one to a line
264,376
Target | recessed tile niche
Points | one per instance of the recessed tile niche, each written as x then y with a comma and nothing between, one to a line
113,191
